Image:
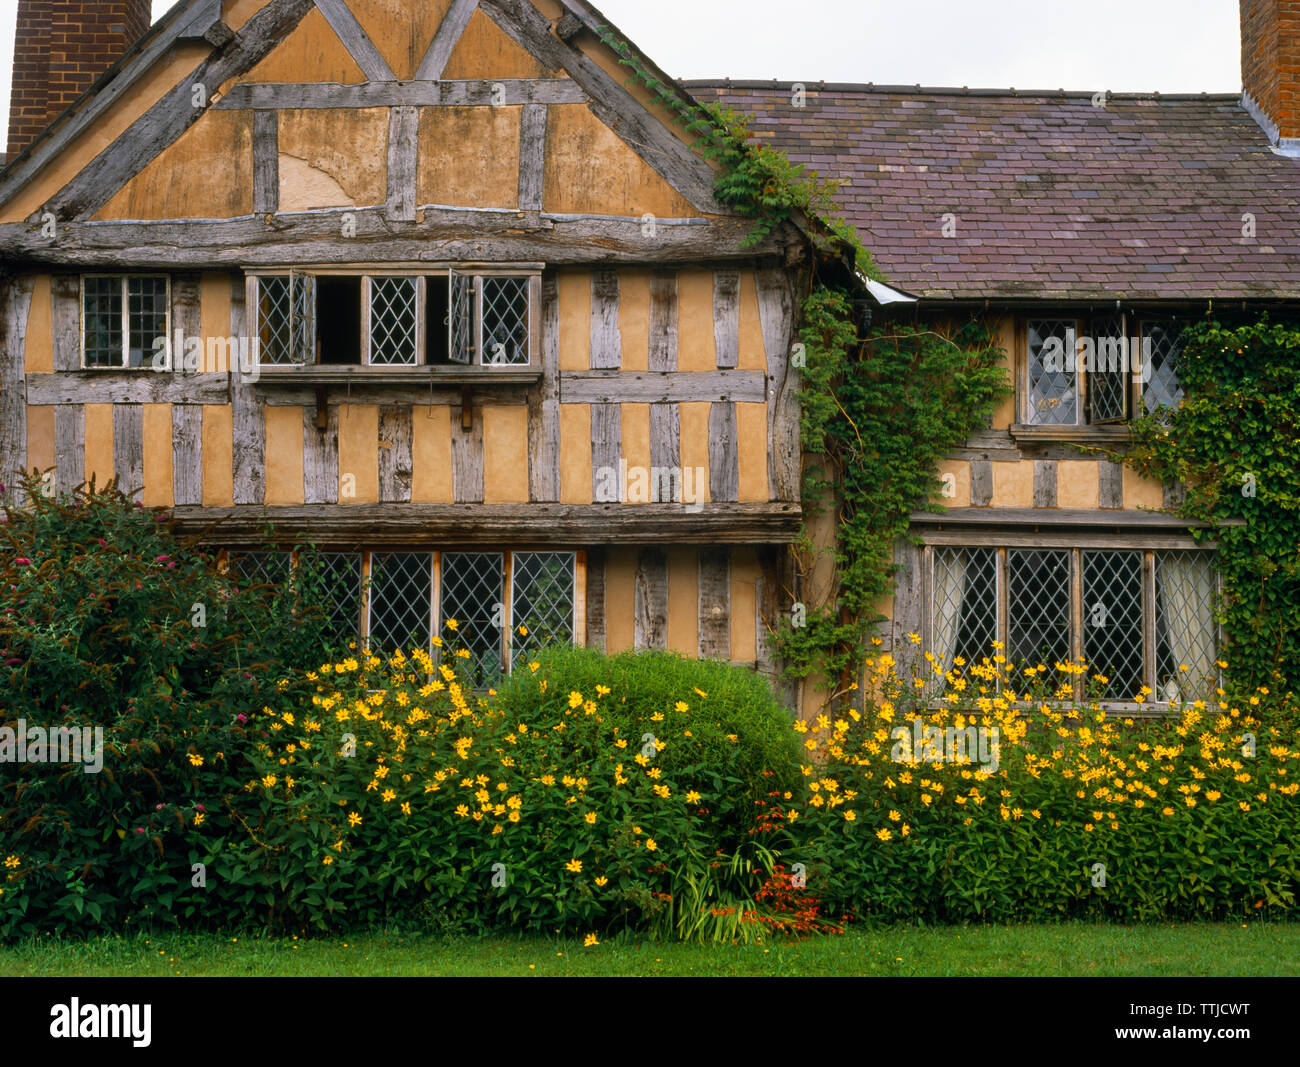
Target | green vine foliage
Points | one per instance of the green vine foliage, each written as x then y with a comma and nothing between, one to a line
881,412
1235,442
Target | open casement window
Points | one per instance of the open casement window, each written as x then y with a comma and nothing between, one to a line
286,318
397,319
126,321
1162,345
462,337
1139,618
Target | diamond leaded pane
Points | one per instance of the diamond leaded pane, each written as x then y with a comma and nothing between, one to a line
333,579
1112,621
146,319
392,321
460,342
965,606
1053,391
1107,370
1187,630
275,339
259,568
542,587
505,321
1038,605
401,585
102,322
472,610
1161,347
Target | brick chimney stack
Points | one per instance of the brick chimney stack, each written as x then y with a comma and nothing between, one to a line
1270,69
60,47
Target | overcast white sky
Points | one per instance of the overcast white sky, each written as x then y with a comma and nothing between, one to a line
1121,45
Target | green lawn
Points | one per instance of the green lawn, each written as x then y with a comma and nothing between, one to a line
1069,949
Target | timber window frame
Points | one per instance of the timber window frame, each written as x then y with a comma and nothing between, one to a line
1111,367
1136,612
490,318
124,307
506,603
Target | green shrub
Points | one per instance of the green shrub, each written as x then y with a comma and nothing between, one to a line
109,622
542,807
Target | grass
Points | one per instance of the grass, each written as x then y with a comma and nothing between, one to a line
1070,949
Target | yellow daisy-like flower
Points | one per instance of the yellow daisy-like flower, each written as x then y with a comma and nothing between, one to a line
406,807
590,941
269,780
650,844
327,860
590,817
513,816
354,819
602,880
850,815
387,795
452,625
692,797
574,865
885,834
196,760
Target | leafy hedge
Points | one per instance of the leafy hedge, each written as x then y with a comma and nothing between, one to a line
108,621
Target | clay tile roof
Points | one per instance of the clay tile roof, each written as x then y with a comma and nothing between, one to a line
1052,196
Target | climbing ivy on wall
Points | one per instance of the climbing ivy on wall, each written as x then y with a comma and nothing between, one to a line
1235,442
878,412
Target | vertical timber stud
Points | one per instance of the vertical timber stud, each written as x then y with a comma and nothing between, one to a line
776,313
128,449
665,420
1044,483
544,403
266,162
908,594
402,148
595,635
981,483
187,419
1110,478
467,454
186,318
65,321
320,457
651,622
395,455
15,303
724,452
726,317
606,451
532,156
187,455
606,345
248,416
70,446
715,603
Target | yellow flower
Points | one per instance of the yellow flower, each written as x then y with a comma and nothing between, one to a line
452,625
850,815
590,817
885,834
692,797
574,865
650,844
327,860
602,880
590,941
269,781
196,760
198,819
354,819
406,807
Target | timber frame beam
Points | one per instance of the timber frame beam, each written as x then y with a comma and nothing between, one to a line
474,524
437,235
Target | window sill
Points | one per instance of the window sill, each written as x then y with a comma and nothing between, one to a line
1023,433
397,376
